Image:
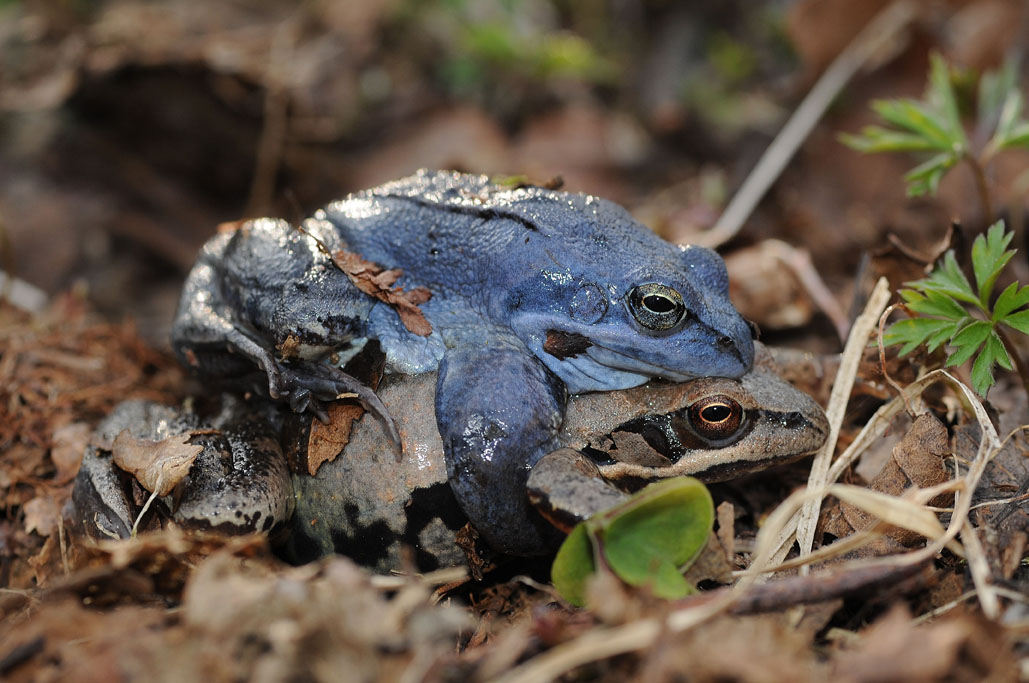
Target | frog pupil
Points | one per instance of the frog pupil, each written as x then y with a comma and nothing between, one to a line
659,304
716,413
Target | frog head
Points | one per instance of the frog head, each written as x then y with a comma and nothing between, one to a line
617,315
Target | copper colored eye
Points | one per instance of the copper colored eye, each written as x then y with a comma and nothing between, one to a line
716,417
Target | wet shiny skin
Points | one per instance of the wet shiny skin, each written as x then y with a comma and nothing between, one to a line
505,267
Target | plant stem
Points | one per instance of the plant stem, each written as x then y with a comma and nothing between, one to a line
1023,372
980,184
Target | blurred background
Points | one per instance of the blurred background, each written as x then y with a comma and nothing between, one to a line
129,129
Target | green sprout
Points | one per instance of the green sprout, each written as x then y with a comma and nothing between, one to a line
933,126
952,312
647,541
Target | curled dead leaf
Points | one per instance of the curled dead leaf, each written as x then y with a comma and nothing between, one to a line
375,281
157,465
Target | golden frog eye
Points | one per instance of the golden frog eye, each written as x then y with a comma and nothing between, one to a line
656,307
715,417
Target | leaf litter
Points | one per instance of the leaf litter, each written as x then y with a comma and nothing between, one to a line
86,601
149,607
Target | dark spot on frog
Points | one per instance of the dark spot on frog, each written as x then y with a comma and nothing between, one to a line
563,345
427,504
433,252
369,544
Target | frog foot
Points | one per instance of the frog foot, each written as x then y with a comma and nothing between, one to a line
309,387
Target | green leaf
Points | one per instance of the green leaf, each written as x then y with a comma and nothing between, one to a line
1018,321
925,178
935,303
948,279
1019,137
912,332
989,258
573,565
944,334
994,89
648,539
1010,299
968,341
917,118
875,139
941,94
982,370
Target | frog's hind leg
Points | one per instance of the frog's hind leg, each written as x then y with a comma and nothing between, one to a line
498,411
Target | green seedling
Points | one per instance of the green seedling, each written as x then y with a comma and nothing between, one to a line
950,311
933,126
647,541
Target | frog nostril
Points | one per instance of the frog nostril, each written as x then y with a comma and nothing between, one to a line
725,342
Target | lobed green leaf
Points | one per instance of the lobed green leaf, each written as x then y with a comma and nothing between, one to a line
968,340
912,332
989,258
934,303
982,369
1018,321
941,94
1012,298
877,139
918,118
948,279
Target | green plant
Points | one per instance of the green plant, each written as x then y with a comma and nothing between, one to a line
646,541
933,126
952,312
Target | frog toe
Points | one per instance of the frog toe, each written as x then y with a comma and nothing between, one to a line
311,385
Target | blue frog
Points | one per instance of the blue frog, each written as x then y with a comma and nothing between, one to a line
532,294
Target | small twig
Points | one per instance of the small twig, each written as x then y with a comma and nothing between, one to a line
877,33
882,357
146,506
862,329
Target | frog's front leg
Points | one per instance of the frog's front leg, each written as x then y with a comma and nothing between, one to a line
498,411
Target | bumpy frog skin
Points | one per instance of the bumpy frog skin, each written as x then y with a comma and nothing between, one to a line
366,505
535,294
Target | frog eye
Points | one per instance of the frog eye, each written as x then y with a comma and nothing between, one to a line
656,307
715,417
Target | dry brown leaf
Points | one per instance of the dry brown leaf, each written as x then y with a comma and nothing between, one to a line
157,465
916,461
374,281
69,443
328,440
41,515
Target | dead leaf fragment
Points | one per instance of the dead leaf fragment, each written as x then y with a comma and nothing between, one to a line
328,440
69,443
374,281
157,465
41,515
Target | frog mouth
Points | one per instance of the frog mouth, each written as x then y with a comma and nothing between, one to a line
585,365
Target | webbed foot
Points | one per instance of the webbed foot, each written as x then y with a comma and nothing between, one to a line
567,488
310,386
